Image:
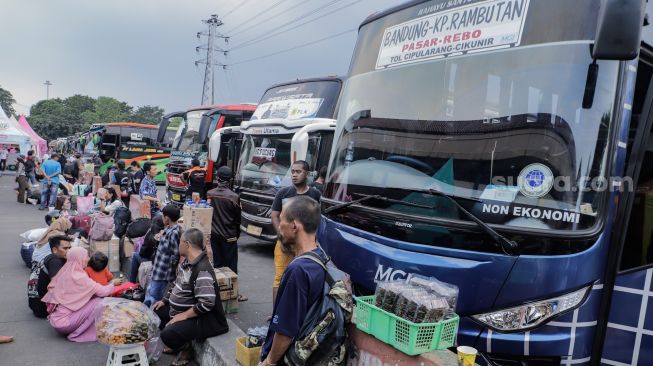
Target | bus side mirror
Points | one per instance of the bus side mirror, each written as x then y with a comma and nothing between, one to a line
619,29
205,125
165,122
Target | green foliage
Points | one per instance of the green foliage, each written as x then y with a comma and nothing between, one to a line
6,102
107,109
147,114
60,118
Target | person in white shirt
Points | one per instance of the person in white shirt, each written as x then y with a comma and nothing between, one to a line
109,200
3,158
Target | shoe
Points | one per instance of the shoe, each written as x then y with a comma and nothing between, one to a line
42,208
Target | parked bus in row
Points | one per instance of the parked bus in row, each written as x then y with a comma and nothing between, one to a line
293,121
128,141
502,146
192,142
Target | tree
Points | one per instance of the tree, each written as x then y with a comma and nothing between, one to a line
107,109
147,114
6,102
51,119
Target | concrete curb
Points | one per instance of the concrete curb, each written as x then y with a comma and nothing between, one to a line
220,350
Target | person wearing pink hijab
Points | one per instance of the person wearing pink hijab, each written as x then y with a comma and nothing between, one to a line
73,298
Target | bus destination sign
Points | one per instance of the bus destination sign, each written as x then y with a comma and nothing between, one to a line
468,29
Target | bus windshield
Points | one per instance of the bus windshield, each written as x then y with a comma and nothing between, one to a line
187,137
264,162
315,99
506,127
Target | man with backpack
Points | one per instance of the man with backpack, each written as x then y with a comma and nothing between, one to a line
43,272
30,167
303,282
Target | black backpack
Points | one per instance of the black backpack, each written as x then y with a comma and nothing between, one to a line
138,227
29,166
323,339
122,217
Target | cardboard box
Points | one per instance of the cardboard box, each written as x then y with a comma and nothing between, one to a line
201,219
230,306
97,183
228,283
111,248
139,207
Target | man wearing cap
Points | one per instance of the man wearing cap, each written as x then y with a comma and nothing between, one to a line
225,227
194,179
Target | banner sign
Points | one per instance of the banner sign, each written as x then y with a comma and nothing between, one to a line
472,28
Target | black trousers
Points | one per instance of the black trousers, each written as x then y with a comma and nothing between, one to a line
224,254
179,334
3,164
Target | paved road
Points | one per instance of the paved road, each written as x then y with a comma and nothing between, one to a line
36,343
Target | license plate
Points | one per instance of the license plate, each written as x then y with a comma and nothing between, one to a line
254,230
176,197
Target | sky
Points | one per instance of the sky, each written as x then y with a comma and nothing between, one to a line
143,51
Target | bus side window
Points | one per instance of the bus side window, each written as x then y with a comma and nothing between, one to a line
637,250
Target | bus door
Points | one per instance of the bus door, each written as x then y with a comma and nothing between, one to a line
319,150
109,145
629,327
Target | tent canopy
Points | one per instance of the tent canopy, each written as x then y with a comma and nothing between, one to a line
40,143
12,135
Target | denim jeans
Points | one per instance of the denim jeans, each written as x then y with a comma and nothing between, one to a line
136,263
155,292
32,177
48,194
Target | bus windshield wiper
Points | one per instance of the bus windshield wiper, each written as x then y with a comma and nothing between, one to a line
508,246
365,197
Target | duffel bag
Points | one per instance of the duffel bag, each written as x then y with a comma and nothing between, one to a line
26,250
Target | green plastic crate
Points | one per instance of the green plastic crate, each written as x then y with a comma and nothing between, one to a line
406,336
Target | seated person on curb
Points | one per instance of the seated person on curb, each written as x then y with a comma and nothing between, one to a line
148,248
73,298
40,278
97,268
166,257
303,281
192,309
109,200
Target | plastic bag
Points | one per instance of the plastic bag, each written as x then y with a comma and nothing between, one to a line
40,253
34,234
433,285
387,294
123,322
154,349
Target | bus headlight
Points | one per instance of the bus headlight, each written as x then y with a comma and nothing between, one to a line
527,316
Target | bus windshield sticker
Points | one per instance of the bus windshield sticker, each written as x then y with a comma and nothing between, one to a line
267,153
288,108
535,180
472,28
499,193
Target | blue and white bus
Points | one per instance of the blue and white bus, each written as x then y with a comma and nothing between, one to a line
505,146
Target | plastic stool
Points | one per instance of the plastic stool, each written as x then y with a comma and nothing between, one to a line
132,356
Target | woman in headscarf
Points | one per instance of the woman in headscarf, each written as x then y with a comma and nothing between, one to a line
73,298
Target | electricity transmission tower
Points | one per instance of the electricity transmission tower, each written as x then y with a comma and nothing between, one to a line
208,93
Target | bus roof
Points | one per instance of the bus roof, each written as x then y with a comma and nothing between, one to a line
307,80
394,9
126,124
229,107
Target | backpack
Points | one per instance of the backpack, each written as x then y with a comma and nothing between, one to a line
138,227
322,338
121,219
101,227
69,168
29,166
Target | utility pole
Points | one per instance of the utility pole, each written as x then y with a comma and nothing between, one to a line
47,89
208,94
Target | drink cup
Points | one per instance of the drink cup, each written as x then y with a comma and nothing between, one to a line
466,356
196,197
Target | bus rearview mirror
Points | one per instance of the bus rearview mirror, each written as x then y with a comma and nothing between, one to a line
619,29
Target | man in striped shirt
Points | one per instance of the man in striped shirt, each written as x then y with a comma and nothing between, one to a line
192,309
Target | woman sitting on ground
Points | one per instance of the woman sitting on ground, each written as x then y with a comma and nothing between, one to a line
148,248
109,200
73,298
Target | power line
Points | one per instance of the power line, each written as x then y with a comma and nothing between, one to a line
255,40
296,47
234,9
255,16
273,16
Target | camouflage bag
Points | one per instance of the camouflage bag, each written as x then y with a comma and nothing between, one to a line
322,339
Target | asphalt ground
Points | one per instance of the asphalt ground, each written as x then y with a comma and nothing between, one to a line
37,343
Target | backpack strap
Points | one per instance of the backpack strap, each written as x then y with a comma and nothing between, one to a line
323,263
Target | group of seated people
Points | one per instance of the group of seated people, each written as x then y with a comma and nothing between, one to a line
66,286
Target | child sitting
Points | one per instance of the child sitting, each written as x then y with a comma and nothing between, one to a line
97,268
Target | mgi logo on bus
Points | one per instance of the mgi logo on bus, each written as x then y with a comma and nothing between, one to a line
535,180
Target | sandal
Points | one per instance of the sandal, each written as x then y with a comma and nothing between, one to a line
242,298
168,351
6,339
183,358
